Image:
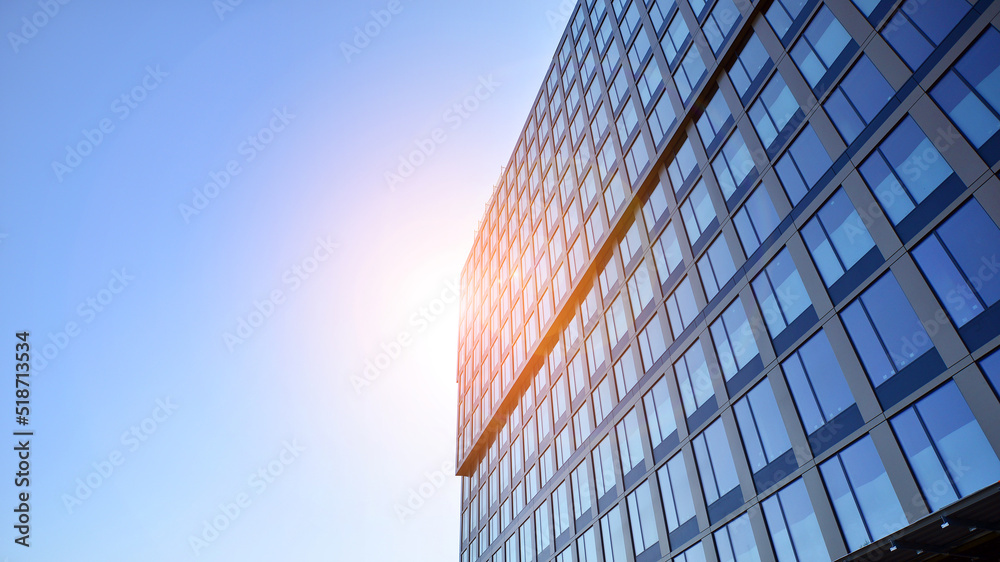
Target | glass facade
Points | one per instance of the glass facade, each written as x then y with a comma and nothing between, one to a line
734,296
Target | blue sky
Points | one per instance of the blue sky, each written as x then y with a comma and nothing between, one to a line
173,173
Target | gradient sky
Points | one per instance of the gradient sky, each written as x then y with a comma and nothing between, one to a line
207,82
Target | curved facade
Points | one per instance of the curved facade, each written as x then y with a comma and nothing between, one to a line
735,295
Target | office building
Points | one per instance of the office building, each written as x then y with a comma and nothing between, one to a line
734,297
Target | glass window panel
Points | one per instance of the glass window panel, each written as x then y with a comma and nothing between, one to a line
613,535
716,267
780,292
733,164
748,66
763,431
756,220
659,412
667,253
693,378
642,518
862,495
836,237
697,212
774,108
947,450
817,382
735,542
860,96
885,330
794,529
733,338
675,492
803,164
715,462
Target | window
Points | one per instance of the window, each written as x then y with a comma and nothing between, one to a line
667,253
693,379
733,164
683,166
735,542
626,376
614,536
655,208
604,467
681,307
970,93
715,462
773,110
860,97
630,441
642,518
836,237
716,267
764,435
586,546
862,496
639,52
958,259
542,529
733,338
947,450
750,65
697,212
691,71
580,482
782,14
652,344
793,526
595,351
817,382
904,170
713,118
803,164
640,289
659,413
527,541
885,330
820,46
780,292
914,33
675,492
649,83
662,118
694,554
676,37
720,22
756,220
617,321
604,400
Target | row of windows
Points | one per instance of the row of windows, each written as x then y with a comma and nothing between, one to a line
937,435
